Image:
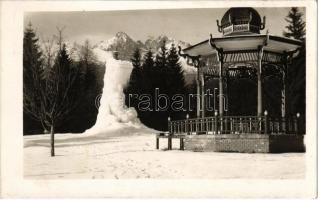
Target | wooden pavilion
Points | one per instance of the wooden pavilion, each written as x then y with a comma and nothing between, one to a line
242,48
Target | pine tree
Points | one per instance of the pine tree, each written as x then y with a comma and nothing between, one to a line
297,87
161,68
175,73
136,59
32,74
146,84
148,72
135,82
296,76
32,61
148,61
161,57
175,83
296,27
136,74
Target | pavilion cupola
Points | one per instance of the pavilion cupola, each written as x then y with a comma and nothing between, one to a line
241,21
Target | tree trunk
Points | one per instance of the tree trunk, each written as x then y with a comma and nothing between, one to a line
52,141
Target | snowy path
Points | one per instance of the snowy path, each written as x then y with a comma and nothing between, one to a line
135,156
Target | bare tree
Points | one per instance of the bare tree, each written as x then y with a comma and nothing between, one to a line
51,98
62,92
49,53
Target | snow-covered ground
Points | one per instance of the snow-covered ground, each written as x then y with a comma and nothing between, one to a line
130,153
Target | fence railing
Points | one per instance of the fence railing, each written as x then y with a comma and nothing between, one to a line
234,125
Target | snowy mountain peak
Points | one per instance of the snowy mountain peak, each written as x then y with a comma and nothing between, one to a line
120,39
122,36
156,43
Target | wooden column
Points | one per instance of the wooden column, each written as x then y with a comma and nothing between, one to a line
226,92
283,106
221,94
285,124
202,96
259,82
198,95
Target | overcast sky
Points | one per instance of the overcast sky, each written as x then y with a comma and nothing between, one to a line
189,25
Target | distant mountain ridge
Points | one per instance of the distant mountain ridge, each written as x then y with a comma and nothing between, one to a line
125,45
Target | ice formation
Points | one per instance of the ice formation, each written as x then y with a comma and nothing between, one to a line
112,111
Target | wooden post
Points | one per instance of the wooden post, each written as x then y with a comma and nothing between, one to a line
178,127
221,106
191,128
284,128
196,125
226,92
231,125
187,125
221,95
259,83
198,94
169,125
181,144
284,94
241,125
265,123
52,141
283,106
297,123
283,109
216,123
225,126
157,142
250,125
202,96
169,142
259,89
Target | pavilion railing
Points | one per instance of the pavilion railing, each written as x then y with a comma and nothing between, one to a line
234,125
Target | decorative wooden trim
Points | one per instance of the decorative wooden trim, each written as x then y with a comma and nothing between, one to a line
262,27
212,44
219,26
195,59
240,56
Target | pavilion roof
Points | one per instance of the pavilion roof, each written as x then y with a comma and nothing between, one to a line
276,44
